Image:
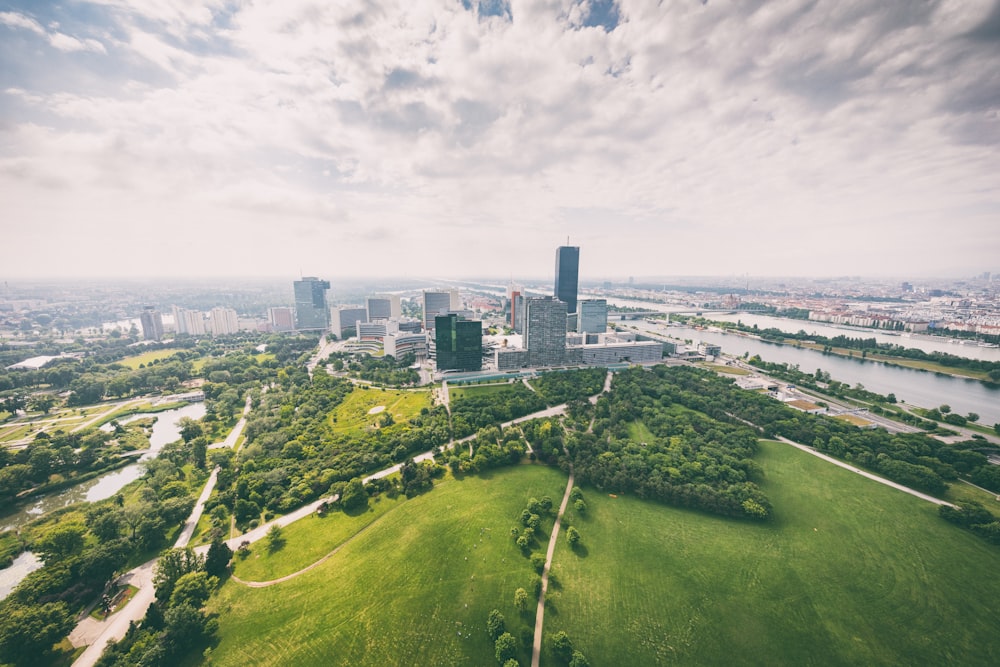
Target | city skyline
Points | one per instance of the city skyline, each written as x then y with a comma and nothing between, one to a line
461,139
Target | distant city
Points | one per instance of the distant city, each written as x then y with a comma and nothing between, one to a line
478,326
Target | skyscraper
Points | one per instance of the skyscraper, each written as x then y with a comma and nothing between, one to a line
593,316
383,307
311,311
545,331
435,303
152,323
567,275
459,343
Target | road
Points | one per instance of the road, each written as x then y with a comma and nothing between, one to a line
536,646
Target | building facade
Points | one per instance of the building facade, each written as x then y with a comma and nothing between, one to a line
311,311
223,321
282,318
435,303
459,343
383,307
545,331
152,323
344,320
593,316
567,275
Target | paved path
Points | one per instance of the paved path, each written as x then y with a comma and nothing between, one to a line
864,473
536,647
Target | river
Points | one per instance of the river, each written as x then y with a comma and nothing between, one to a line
921,388
165,430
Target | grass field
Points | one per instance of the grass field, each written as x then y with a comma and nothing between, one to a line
414,589
352,416
458,393
639,432
146,358
722,368
854,420
849,572
308,540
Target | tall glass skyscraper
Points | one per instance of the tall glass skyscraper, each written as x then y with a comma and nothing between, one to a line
567,275
311,311
459,343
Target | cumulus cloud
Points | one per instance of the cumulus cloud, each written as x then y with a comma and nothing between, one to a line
793,129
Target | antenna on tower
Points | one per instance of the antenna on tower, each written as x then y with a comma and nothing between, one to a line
567,239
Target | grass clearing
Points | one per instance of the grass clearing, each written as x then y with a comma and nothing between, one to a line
352,416
147,358
854,419
722,368
467,391
308,540
415,588
848,572
638,432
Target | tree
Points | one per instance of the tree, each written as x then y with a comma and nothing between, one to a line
944,408
354,496
579,660
512,663
275,538
562,646
190,429
996,428
28,633
193,588
972,417
573,536
61,542
218,557
185,626
174,564
495,625
521,599
506,647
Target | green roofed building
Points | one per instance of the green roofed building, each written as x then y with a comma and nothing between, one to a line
459,343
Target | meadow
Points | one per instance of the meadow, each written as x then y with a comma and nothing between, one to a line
848,572
414,588
353,416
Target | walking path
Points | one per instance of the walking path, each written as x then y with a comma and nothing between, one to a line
864,473
536,647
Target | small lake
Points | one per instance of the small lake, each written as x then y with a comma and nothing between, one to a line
165,431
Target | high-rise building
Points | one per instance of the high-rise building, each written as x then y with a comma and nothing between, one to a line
223,321
545,331
593,316
459,343
344,320
191,322
435,303
514,298
383,307
152,323
311,311
282,318
567,275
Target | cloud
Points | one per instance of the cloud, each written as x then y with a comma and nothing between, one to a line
639,127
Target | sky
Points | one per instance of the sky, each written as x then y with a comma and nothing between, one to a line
462,138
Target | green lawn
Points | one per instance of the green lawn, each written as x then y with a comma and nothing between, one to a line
849,572
722,368
147,357
639,432
414,589
308,540
352,416
465,391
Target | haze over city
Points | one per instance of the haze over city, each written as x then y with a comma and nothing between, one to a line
469,138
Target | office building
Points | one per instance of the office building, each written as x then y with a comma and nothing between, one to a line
567,275
593,316
402,343
545,331
152,323
435,303
311,311
281,318
191,322
383,307
223,321
344,320
459,343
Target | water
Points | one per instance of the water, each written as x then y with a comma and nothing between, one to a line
23,565
918,387
165,430
968,349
